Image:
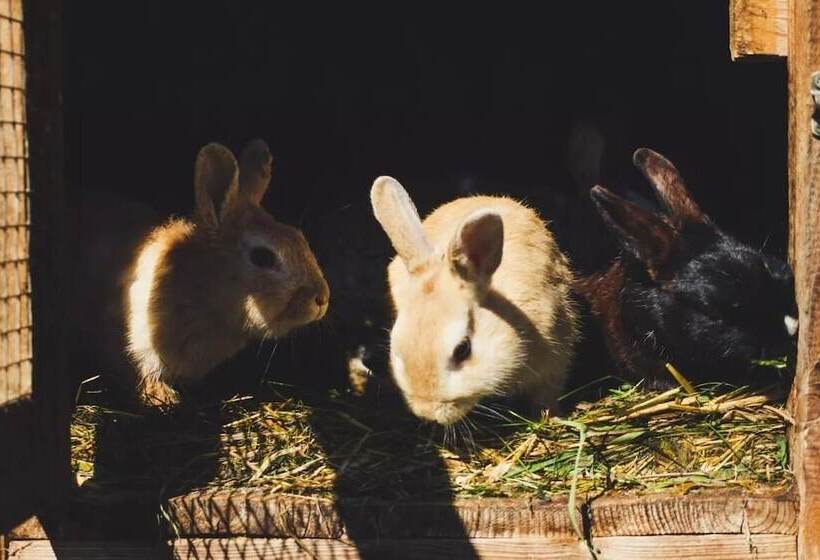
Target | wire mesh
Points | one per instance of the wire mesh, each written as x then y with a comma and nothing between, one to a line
15,286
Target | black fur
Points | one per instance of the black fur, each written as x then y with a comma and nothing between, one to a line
688,294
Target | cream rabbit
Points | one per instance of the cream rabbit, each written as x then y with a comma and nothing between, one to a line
196,291
482,304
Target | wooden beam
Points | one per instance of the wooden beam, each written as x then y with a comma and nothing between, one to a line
52,392
804,218
708,513
257,514
685,547
758,27
82,550
253,513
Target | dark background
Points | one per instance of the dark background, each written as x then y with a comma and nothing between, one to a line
426,96
476,100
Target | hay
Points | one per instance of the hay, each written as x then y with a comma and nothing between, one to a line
636,440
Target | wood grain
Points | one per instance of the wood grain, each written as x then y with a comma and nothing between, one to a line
432,549
717,547
758,27
90,550
252,513
701,547
713,512
257,514
804,219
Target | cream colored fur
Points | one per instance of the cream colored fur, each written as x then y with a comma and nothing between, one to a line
522,325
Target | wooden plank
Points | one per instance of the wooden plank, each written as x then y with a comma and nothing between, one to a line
52,393
712,512
702,547
81,550
758,27
717,547
433,549
253,513
257,514
18,472
804,221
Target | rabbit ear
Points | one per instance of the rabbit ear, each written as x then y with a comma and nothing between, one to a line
216,183
255,170
669,186
477,247
400,220
643,234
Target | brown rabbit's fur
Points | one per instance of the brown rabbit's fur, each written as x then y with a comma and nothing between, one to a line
521,320
190,296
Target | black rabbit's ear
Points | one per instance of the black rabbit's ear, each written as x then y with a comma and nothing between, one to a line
669,186
643,234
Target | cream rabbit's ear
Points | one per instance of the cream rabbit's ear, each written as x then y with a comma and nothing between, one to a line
255,170
398,216
216,183
477,247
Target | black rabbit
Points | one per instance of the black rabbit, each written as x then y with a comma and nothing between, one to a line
683,291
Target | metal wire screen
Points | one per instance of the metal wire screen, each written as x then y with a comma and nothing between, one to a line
15,287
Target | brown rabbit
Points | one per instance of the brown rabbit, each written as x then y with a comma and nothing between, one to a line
195,291
482,300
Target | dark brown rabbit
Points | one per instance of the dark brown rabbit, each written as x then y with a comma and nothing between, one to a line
685,292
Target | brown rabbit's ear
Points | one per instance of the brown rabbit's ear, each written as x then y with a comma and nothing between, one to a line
398,216
477,247
640,232
255,170
669,186
216,183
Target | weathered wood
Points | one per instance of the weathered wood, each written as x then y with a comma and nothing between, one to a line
804,218
758,27
712,512
433,549
82,550
51,388
253,513
257,514
717,547
701,547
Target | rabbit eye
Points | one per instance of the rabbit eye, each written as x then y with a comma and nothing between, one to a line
263,257
463,351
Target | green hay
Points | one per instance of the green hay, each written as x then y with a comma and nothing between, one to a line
636,440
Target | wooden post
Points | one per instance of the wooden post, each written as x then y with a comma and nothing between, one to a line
758,27
804,198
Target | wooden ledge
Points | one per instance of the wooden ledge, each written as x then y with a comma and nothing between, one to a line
253,513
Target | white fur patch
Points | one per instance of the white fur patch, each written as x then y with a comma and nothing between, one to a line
454,333
140,333
255,318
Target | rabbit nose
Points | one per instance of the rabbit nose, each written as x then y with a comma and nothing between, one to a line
322,297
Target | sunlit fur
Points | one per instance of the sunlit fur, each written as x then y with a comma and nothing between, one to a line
168,303
196,299
522,330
